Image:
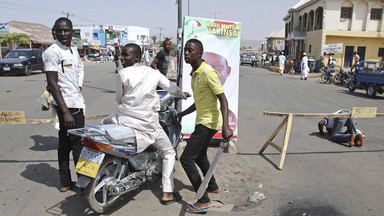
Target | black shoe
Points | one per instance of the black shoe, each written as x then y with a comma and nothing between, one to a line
301,78
305,78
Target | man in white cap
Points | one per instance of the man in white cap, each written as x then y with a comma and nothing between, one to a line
281,62
304,67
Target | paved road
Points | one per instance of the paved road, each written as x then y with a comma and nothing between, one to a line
319,177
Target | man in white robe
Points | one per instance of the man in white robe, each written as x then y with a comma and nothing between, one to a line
138,109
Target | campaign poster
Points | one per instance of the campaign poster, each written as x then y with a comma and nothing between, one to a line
221,42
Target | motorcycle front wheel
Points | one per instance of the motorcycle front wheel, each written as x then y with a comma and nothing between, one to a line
97,193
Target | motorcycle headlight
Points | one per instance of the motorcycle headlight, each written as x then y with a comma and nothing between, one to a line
18,65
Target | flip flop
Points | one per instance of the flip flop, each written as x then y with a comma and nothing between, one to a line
176,197
196,210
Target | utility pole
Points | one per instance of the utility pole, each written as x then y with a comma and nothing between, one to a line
68,14
214,12
160,32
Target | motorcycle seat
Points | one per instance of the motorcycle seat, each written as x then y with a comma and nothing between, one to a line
118,132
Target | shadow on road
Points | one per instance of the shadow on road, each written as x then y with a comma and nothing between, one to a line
102,89
42,173
44,143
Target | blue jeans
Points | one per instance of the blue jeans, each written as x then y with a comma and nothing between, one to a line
339,123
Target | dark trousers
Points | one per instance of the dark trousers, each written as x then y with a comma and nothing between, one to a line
68,143
196,153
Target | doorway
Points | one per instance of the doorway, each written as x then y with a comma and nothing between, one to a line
348,56
361,53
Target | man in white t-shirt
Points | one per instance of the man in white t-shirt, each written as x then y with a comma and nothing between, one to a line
65,75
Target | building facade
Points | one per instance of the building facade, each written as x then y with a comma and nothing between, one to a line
107,37
276,41
356,25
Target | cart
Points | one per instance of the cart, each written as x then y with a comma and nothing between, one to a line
369,76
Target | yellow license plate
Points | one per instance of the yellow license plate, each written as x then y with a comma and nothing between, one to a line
89,162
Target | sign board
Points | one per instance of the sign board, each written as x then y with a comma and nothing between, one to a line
364,112
4,28
221,43
333,48
12,117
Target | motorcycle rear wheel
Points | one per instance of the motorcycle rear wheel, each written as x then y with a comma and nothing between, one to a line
97,193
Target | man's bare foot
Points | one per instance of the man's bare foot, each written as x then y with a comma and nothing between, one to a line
170,197
352,140
360,140
199,206
167,196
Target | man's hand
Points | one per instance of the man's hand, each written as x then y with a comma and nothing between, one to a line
69,122
227,133
179,117
187,94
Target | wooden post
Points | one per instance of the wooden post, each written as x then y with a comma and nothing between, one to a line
283,150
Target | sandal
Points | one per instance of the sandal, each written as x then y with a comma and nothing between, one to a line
176,197
196,210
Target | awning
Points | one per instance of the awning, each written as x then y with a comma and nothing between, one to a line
95,43
297,35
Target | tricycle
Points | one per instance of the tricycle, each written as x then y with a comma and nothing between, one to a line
369,76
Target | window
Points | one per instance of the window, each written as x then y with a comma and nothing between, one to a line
381,52
96,36
346,12
278,42
86,34
310,48
376,13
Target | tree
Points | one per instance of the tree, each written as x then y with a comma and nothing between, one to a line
16,39
154,37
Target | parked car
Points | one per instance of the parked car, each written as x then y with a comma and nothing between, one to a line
22,61
246,59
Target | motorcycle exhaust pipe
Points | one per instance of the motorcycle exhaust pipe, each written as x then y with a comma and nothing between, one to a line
126,187
130,183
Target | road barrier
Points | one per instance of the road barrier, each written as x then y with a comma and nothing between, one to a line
18,117
357,112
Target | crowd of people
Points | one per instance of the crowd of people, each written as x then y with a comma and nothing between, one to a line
138,107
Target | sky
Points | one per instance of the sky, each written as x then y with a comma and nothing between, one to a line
258,17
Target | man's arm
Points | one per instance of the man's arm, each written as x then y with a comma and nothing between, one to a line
320,125
52,79
119,90
227,132
154,63
189,110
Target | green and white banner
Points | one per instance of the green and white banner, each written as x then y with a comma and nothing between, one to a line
221,41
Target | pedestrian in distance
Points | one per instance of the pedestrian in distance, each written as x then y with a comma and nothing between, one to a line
116,59
304,67
146,57
162,60
281,62
335,125
138,109
65,75
356,59
208,96
263,59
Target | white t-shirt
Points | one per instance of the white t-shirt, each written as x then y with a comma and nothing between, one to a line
67,63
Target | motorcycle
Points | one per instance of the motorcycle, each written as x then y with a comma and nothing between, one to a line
343,77
109,165
327,75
